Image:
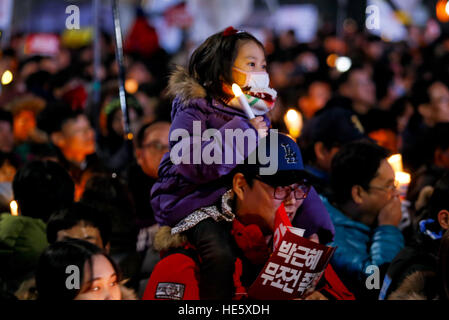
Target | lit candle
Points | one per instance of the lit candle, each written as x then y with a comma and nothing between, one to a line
14,208
242,100
396,162
293,121
6,77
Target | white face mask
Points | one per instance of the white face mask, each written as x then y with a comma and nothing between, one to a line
255,80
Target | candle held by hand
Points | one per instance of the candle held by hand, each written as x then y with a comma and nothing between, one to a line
242,100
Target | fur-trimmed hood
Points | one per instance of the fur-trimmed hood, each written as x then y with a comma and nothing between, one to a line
164,240
420,285
184,86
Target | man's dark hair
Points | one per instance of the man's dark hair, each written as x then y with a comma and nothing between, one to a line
75,214
356,163
42,187
211,63
344,77
439,136
333,127
6,116
143,132
55,115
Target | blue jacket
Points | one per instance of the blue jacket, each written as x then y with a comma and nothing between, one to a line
359,246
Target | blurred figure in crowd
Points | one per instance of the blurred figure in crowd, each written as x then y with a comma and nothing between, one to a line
40,188
366,212
74,139
110,195
321,139
113,147
421,255
357,91
6,132
99,276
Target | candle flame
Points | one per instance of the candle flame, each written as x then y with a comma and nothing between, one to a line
7,77
14,208
396,162
236,89
402,177
293,121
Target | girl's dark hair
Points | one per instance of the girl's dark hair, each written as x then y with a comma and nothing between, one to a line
51,272
75,214
211,63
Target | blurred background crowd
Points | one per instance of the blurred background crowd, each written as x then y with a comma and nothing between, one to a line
338,74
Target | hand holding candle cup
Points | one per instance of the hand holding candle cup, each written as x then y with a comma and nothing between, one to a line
257,122
242,100
402,178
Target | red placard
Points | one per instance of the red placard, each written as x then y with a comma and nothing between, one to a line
295,266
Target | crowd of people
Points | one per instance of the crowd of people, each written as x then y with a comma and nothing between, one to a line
139,225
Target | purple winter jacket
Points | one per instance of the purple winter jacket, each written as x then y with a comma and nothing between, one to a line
184,188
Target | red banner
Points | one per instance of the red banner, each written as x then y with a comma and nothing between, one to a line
294,268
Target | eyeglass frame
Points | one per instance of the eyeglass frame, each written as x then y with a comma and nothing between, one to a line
308,186
393,188
156,145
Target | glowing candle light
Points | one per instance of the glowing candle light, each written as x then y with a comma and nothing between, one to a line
131,86
293,121
14,208
402,178
396,162
7,77
343,64
242,100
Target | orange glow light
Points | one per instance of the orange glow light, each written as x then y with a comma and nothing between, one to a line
331,59
441,12
131,86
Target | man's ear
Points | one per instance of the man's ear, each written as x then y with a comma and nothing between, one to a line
443,219
438,157
425,110
320,151
58,139
239,185
356,193
107,247
138,154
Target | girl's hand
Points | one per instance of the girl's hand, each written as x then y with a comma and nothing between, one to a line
260,125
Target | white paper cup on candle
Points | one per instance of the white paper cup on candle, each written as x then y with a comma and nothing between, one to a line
403,180
243,101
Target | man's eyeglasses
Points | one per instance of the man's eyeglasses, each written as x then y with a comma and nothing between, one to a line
156,145
392,188
300,191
